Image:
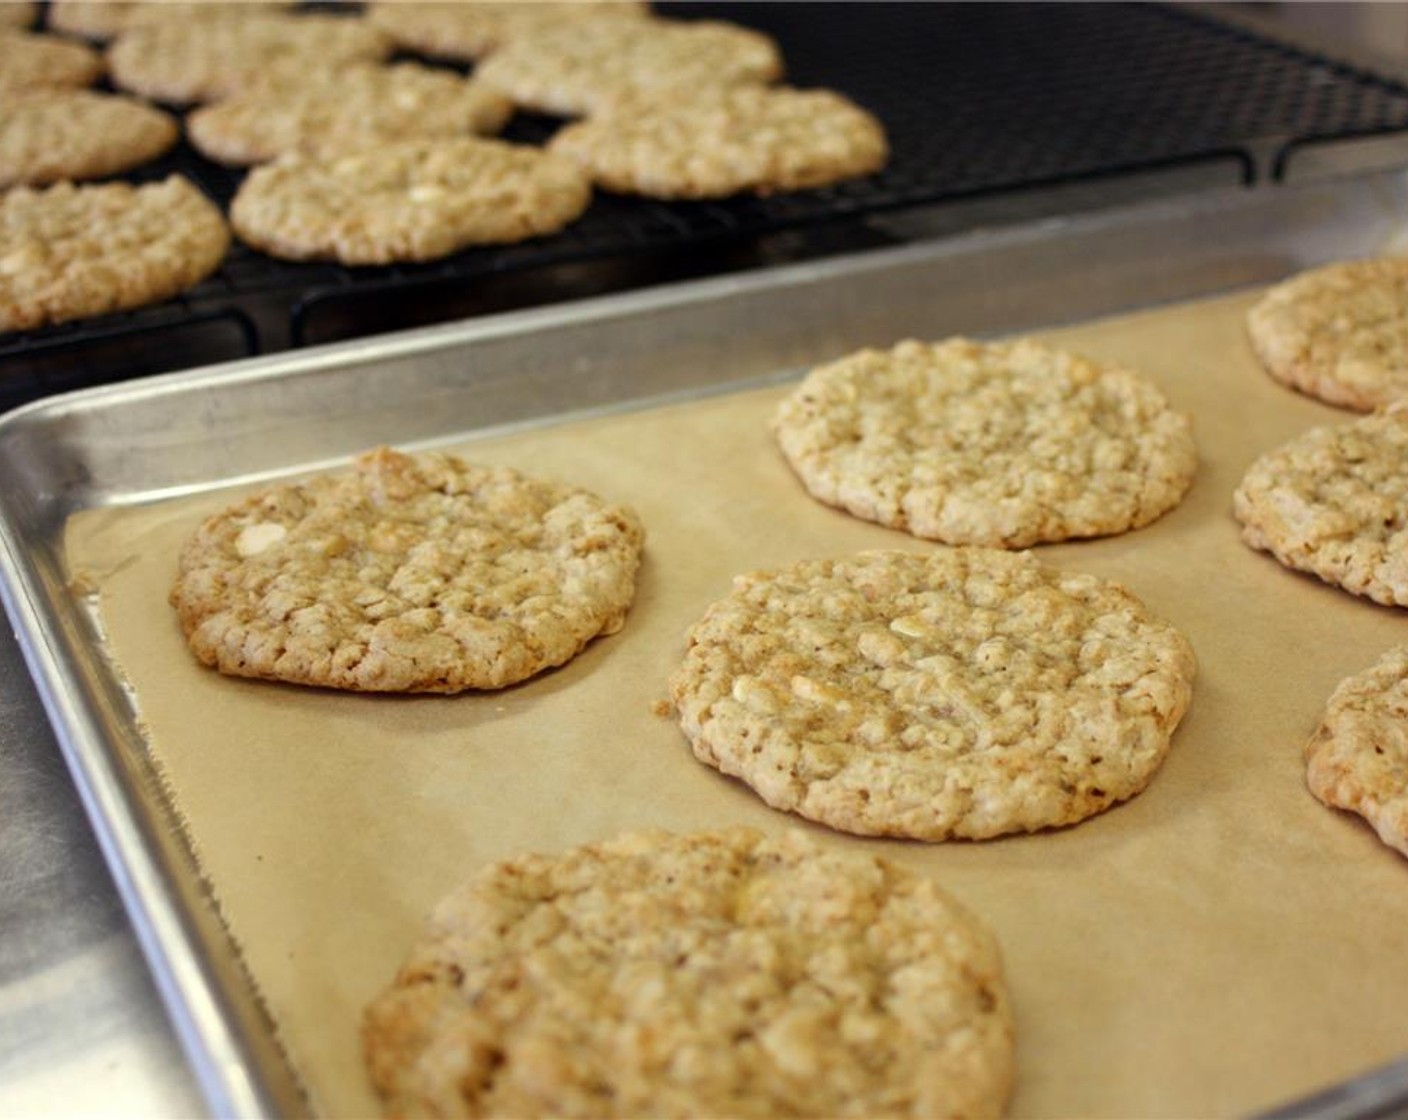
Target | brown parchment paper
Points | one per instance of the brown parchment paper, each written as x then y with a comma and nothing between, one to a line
1219,944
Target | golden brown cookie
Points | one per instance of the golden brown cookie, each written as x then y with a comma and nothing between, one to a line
185,61
1003,444
1358,757
584,66
406,573
1339,333
962,692
35,61
701,975
410,201
46,136
339,110
1334,502
17,14
101,20
723,142
67,252
467,30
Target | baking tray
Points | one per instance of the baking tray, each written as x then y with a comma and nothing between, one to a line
190,433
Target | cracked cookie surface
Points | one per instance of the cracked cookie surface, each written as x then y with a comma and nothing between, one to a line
406,573
50,135
1358,757
36,61
468,30
964,692
1002,444
709,974
1334,502
1338,333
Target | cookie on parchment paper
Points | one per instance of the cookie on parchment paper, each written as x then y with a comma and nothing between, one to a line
1338,333
101,20
716,143
406,573
186,61
411,201
30,60
583,66
959,693
708,974
336,110
1358,757
1334,502
1002,444
46,136
67,252
467,30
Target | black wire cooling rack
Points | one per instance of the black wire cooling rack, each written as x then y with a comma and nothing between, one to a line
976,99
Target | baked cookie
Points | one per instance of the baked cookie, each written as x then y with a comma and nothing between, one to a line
701,975
724,142
101,20
75,134
583,66
415,200
34,61
1338,333
1334,502
962,692
68,251
1003,444
185,61
1358,757
17,14
340,110
467,30
406,573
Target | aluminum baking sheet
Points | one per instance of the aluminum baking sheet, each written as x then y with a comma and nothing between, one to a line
194,433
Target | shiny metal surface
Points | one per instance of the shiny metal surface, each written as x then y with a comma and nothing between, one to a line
75,1007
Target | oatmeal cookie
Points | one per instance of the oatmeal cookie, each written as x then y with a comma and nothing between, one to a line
101,20
1334,502
411,201
185,61
35,61
46,136
468,30
963,692
68,251
406,573
345,109
17,14
724,142
708,974
1002,444
1358,757
572,69
1338,333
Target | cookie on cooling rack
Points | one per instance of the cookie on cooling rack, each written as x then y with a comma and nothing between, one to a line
717,143
186,61
1334,502
406,573
708,974
410,201
468,30
1358,757
1338,333
344,109
962,692
1004,444
583,66
68,252
35,61
46,136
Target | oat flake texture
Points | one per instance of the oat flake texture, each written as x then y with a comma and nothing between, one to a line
406,573
963,692
1001,444
723,974
1358,757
